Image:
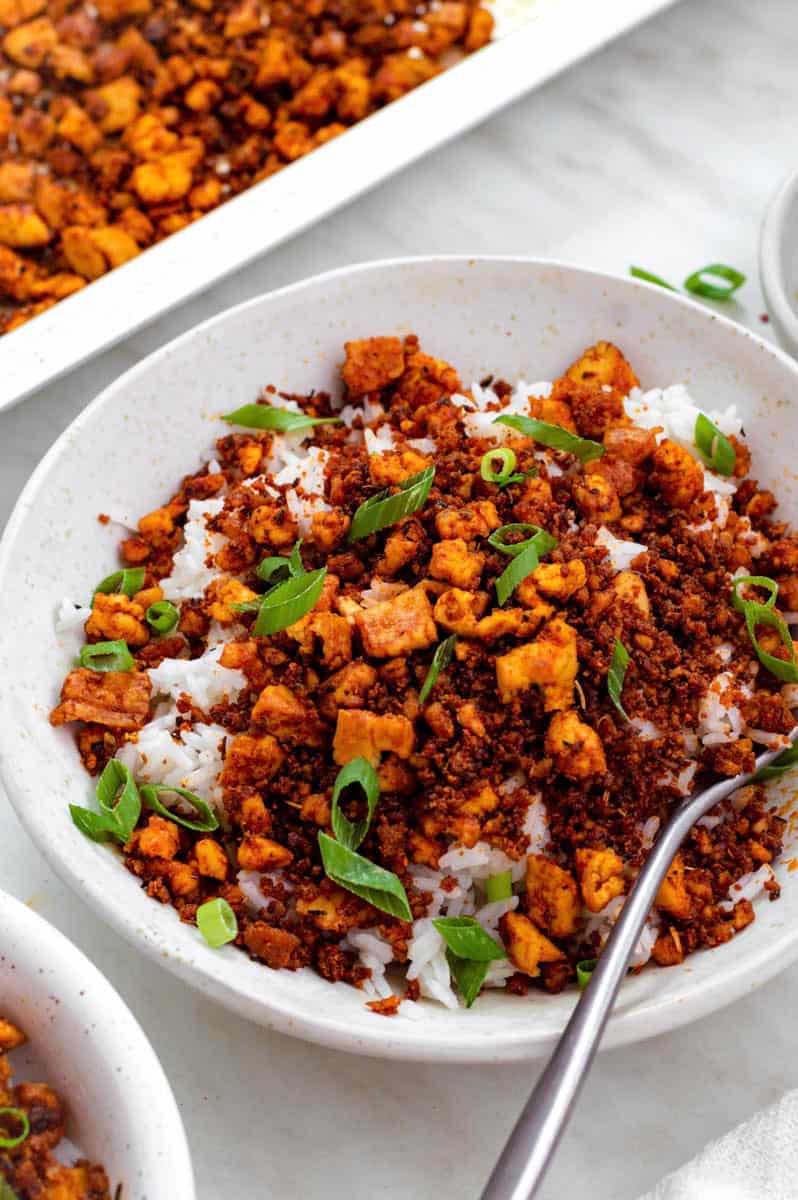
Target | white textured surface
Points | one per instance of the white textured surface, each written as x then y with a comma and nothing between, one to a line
664,149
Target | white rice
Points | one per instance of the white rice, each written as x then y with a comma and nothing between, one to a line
673,409
71,616
191,572
620,553
748,887
191,759
602,923
719,718
203,679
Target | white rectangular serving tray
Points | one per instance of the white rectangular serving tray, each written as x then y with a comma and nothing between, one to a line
535,40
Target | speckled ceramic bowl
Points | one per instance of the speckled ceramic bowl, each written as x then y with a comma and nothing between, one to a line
778,262
128,450
84,1042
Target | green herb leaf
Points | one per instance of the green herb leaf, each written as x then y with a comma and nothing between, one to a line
780,765
440,659
276,420
584,971
616,675
288,601
488,469
499,887
374,884
217,922
468,975
466,938
107,656
554,436
699,286
541,540
206,820
716,449
522,565
384,509
358,771
162,616
641,273
126,582
13,1116
118,797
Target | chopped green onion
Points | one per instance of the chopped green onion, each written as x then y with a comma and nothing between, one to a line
700,286
554,436
757,613
641,273
440,659
359,771
295,565
217,922
488,470
616,675
277,420
716,449
365,879
469,976
7,1116
119,802
520,476
517,571
288,601
466,938
6,1190
384,509
780,765
584,971
499,887
206,820
541,540
126,582
278,564
162,616
107,656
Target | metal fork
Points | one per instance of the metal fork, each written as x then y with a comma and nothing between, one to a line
523,1162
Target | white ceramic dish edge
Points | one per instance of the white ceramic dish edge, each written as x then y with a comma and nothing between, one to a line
121,1109
644,1015
778,227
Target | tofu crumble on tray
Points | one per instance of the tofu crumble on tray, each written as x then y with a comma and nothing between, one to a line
400,687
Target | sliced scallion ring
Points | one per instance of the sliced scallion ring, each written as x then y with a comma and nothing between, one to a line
715,448
13,1116
701,286
440,659
126,582
358,771
206,820
519,568
760,581
276,420
554,436
642,273
616,675
365,879
107,656
540,539
466,938
584,971
288,601
492,473
499,887
217,922
162,616
119,802
385,509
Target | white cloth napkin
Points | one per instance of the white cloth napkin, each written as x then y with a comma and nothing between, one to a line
756,1161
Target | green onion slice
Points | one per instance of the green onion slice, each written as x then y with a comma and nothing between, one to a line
384,509
288,601
365,879
119,802
6,1190
11,1116
466,938
276,420
541,540
217,922
468,975
699,286
780,765
107,656
358,771
127,582
94,825
499,887
522,565
616,675
554,436
206,819
756,613
584,971
162,616
488,469
440,659
641,273
716,449
279,565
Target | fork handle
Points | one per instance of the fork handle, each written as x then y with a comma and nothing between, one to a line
523,1162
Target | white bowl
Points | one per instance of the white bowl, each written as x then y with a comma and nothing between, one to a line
85,1043
778,262
129,448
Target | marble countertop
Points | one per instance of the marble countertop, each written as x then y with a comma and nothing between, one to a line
662,150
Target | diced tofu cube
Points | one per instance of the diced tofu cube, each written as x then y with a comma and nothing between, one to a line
398,626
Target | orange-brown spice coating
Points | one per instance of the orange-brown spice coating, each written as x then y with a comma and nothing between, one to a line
525,693
124,122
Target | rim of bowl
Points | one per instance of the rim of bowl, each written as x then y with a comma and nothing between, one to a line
153,1115
646,1019
771,241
